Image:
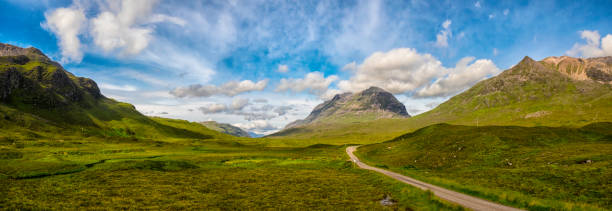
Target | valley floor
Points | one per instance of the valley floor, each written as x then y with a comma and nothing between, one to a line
193,174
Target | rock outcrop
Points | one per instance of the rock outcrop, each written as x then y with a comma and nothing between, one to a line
370,104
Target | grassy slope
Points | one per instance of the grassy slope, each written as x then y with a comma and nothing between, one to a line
40,112
192,174
523,91
531,167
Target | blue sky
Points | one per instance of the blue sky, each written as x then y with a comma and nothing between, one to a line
262,64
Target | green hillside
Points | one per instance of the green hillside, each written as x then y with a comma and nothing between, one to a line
39,99
534,167
528,94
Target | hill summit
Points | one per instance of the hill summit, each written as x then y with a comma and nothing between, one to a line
370,104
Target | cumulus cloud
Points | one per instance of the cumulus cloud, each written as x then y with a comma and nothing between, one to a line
314,82
506,11
595,46
463,76
282,110
258,126
67,24
397,71
405,71
231,88
283,68
125,25
254,116
213,108
242,107
444,34
239,103
477,4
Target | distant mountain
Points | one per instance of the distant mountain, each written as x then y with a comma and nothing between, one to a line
39,98
370,104
226,128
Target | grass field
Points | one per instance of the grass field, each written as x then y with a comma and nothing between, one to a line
538,168
192,174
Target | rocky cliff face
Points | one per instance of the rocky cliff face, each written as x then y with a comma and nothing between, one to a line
596,69
370,104
28,76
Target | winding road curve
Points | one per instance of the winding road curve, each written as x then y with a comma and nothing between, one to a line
449,195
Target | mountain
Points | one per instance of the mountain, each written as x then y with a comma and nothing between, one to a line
370,104
226,128
39,98
531,93
535,93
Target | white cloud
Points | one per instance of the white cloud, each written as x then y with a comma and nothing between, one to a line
314,82
123,25
283,68
495,52
444,34
350,66
213,108
506,11
126,25
67,24
258,126
231,88
282,110
491,16
126,88
477,4
404,70
397,71
595,47
463,76
239,103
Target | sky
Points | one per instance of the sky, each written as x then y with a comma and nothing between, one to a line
262,64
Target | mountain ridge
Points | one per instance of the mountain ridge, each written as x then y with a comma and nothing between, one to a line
370,104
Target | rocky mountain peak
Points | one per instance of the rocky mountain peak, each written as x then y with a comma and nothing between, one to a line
28,75
370,104
31,52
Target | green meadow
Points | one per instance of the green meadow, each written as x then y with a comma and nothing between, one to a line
131,173
538,168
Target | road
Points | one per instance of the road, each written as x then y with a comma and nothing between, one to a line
449,195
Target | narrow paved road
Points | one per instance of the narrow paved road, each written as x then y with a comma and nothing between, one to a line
449,195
